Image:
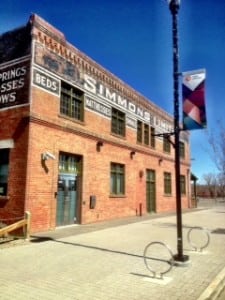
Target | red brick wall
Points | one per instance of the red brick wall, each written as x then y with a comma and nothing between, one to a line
32,186
14,125
95,180
49,132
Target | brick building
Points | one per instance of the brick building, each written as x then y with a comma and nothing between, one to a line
77,144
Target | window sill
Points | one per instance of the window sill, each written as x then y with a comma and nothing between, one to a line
71,119
117,196
167,152
122,137
4,198
3,201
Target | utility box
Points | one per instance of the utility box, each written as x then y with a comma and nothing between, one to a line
92,201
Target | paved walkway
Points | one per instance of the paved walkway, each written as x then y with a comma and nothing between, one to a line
105,261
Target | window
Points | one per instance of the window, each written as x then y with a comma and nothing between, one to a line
118,122
182,184
139,131
4,171
143,131
69,163
166,144
72,102
167,183
117,184
182,150
152,137
146,134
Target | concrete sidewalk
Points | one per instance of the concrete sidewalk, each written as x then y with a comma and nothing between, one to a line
105,261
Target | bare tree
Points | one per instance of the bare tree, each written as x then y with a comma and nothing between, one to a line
211,183
221,185
217,143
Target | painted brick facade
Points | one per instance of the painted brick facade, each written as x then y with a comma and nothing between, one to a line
37,126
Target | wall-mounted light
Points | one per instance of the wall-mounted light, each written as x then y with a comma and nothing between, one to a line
99,144
47,155
132,153
160,160
141,173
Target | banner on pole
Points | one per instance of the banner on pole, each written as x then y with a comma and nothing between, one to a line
193,92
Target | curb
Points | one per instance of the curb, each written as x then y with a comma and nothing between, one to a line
215,287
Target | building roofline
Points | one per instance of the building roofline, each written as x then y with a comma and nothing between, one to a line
57,35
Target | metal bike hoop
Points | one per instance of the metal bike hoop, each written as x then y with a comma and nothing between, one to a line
194,246
170,262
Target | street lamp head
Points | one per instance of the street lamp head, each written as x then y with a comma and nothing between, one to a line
174,5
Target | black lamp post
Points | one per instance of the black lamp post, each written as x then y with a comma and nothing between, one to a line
174,7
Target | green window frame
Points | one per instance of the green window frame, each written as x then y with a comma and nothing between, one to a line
70,163
182,150
118,122
166,144
4,171
117,179
182,184
146,134
72,102
152,137
167,183
139,131
143,133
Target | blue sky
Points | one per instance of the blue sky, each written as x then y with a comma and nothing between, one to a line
133,40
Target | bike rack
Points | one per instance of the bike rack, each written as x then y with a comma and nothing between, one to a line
204,245
147,258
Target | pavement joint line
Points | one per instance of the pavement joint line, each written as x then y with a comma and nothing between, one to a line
198,252
160,281
215,287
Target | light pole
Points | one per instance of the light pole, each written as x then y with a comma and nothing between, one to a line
174,6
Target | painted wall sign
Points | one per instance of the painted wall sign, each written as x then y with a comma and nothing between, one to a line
60,66
46,82
15,44
14,84
131,122
98,107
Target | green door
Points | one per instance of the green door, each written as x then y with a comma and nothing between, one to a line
66,200
67,194
150,191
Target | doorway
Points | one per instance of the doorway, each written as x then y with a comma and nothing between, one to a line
68,205
150,191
